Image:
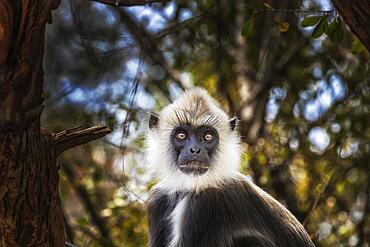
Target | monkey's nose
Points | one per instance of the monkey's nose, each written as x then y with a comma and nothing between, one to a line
195,151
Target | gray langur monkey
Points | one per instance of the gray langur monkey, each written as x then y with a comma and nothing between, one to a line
201,199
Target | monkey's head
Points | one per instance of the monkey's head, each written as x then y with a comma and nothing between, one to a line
192,143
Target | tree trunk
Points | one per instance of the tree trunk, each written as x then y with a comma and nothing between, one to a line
30,208
30,212
357,16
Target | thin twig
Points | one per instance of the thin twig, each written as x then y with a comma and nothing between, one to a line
86,44
126,123
313,205
172,28
289,10
129,3
69,245
329,186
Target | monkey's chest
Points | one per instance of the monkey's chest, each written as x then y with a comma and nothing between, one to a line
176,218
198,221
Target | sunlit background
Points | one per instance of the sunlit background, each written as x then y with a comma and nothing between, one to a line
303,105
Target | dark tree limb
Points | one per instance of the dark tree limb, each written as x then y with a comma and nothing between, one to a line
129,3
99,222
70,236
149,46
357,16
362,237
77,136
257,89
222,58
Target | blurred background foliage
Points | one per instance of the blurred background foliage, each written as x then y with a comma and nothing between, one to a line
297,79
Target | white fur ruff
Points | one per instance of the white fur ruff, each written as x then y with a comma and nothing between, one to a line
226,161
176,221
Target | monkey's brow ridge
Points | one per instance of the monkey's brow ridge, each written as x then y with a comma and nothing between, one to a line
191,117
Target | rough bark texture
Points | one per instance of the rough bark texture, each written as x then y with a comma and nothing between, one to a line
357,16
71,138
30,209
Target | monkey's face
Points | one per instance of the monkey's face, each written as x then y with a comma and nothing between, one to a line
192,143
194,147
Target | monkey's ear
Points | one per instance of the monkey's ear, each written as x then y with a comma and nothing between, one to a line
233,122
153,120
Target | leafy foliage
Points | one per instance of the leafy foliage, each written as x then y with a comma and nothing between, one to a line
310,21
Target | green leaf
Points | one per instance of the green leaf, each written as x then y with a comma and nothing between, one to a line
247,29
321,28
311,21
326,25
267,5
336,31
357,47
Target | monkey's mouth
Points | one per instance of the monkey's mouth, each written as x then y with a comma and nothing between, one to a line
194,167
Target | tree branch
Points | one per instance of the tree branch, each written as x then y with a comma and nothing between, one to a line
183,24
149,46
70,245
329,187
356,14
253,109
74,137
362,239
129,3
97,220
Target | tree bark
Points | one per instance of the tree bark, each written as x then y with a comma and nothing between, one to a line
30,212
30,208
357,16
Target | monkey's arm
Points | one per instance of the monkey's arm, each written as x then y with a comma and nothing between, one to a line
158,207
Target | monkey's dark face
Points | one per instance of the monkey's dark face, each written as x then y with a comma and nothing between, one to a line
194,148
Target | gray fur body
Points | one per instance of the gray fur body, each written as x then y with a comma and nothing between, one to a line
237,214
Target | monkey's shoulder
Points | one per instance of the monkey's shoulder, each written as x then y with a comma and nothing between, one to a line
265,215
250,215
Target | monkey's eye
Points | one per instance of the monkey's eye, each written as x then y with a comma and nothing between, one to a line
181,135
208,137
